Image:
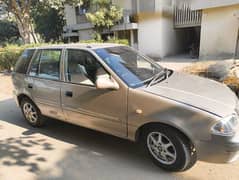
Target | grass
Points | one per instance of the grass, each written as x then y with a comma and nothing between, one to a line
199,68
203,69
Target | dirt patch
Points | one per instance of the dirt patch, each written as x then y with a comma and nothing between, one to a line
224,71
6,86
199,68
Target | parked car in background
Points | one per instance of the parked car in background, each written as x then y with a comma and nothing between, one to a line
177,118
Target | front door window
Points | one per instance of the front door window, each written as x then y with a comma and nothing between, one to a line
83,68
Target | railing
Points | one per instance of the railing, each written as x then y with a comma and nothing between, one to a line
185,17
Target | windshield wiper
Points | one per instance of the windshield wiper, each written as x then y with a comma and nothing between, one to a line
156,78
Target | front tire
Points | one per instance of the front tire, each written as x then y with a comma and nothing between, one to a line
31,113
168,148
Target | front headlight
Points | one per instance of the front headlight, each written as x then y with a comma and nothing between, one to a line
226,126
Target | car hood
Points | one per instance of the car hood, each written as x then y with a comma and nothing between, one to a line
202,93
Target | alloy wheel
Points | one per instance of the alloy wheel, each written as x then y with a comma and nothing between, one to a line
161,147
30,113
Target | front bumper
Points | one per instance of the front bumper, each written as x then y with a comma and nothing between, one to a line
219,149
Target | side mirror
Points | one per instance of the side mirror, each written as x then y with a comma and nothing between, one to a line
106,82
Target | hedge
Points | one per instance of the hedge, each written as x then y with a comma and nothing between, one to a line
116,41
8,56
10,53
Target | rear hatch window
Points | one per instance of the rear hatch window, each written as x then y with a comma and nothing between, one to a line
24,61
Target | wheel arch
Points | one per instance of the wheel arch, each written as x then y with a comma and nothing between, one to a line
41,119
140,130
20,97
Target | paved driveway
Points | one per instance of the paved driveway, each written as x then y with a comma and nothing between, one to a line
61,151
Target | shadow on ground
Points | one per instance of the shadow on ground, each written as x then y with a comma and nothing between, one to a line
16,151
94,156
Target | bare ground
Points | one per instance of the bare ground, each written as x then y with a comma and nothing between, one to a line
61,151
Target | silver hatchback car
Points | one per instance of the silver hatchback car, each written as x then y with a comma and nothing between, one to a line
177,118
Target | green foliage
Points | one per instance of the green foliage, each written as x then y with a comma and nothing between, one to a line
106,16
115,41
10,54
48,17
59,4
119,41
44,15
48,22
91,41
8,32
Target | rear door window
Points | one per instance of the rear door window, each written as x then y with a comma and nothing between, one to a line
24,61
49,67
50,64
46,64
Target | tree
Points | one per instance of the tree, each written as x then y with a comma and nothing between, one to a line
105,17
48,22
21,9
8,32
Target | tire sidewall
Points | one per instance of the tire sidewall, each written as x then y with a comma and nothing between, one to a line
178,141
39,116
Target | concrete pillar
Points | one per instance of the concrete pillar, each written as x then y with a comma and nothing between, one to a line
131,37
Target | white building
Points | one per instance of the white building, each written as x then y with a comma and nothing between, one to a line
79,28
161,28
219,28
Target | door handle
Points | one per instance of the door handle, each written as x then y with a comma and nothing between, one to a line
30,86
68,94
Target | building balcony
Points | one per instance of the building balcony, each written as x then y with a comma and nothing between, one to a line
185,17
128,22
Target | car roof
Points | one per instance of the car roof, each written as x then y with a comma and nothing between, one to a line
79,45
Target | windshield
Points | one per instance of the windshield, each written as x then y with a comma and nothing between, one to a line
134,69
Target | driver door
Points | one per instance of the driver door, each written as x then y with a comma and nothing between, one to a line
84,104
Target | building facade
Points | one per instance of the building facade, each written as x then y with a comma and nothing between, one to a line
219,28
160,28
79,28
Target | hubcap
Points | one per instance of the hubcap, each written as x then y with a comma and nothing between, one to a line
30,113
161,148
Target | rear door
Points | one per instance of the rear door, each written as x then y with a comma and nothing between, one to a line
84,104
46,87
19,76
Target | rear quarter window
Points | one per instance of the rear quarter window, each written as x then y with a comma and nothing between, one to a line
24,61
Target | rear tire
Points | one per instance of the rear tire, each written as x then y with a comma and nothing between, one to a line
168,148
31,113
